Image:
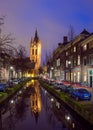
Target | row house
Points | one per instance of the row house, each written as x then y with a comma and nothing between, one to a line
73,61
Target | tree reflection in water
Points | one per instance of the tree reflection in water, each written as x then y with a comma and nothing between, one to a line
16,111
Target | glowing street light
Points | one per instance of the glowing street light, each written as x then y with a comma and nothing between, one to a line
11,67
52,68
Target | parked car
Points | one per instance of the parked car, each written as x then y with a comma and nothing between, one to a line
52,82
2,87
58,85
10,84
68,89
81,94
16,81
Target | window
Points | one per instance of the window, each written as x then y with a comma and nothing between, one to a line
91,60
66,63
85,77
67,76
85,60
85,47
91,45
78,77
66,53
36,51
58,62
32,51
78,62
74,61
74,48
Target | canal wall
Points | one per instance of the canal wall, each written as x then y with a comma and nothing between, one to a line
82,108
11,91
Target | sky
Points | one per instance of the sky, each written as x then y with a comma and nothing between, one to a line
52,18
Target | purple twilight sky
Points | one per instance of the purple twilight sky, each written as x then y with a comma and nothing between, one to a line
52,18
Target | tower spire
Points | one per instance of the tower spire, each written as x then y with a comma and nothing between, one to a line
36,38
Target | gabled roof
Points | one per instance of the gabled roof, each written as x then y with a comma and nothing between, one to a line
84,32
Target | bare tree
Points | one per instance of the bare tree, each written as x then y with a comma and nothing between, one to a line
19,61
48,56
21,52
6,42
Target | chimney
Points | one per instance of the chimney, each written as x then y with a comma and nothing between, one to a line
65,39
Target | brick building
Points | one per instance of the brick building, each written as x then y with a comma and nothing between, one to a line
73,61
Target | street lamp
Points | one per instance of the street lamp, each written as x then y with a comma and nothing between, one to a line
51,72
69,64
52,68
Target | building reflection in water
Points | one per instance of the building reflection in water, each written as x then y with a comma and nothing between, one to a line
30,83
54,115
35,101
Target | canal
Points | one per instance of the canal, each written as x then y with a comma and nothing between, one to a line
33,108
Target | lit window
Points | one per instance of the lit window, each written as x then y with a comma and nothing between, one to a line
66,53
58,62
78,77
85,77
66,63
85,47
74,48
74,78
78,62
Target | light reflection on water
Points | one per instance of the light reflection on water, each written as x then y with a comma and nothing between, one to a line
34,108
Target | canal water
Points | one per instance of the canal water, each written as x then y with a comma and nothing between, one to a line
33,108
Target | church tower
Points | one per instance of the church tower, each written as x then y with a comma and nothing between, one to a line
35,52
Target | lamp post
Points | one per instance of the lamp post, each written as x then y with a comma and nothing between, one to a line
69,65
51,72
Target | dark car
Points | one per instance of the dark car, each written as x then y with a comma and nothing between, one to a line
10,84
58,85
2,87
68,89
81,94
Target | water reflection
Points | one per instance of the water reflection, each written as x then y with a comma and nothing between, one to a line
58,112
35,101
12,112
33,108
30,83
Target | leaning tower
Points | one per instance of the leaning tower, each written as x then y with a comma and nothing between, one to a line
35,52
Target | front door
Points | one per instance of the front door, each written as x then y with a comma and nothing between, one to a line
91,81
90,77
